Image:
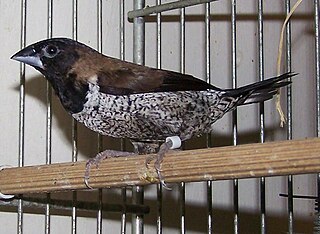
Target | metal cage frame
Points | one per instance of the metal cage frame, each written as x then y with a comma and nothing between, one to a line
137,15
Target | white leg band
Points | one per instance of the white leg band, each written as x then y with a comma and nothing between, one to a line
176,142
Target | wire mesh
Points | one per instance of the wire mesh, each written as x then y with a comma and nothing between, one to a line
138,220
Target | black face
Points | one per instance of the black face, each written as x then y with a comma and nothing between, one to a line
53,56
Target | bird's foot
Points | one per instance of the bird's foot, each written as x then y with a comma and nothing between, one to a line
171,143
98,159
164,148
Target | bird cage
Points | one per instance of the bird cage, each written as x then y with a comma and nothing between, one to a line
249,176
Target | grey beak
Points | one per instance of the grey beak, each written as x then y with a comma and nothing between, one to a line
28,56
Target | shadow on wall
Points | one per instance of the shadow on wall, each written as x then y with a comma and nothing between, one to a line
87,139
196,214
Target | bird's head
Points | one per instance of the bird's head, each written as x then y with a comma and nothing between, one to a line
52,56
69,66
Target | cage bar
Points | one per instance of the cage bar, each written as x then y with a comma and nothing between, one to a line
138,57
289,118
74,126
49,120
234,113
182,189
22,109
286,158
66,205
122,57
261,114
317,74
159,186
208,136
165,7
100,137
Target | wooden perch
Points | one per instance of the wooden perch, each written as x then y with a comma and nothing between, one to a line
244,161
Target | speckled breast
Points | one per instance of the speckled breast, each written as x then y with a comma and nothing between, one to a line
150,116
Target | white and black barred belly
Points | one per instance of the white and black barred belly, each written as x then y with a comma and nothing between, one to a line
153,116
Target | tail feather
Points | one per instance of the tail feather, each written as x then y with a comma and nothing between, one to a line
259,91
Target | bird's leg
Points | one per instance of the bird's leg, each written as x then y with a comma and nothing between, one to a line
164,148
98,159
173,142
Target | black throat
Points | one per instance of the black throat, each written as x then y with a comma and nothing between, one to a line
71,94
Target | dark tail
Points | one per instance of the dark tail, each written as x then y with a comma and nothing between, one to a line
260,91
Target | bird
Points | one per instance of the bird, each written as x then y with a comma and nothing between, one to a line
143,104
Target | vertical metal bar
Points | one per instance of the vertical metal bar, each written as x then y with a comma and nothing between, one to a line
234,114
122,57
317,60
48,120
159,186
139,35
209,204
138,57
122,30
99,25
182,190
124,214
208,80
317,63
49,93
261,115
99,213
22,109
182,40
74,133
137,221
159,209
182,199
289,117
100,139
288,64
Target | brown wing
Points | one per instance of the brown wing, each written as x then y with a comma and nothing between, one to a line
120,78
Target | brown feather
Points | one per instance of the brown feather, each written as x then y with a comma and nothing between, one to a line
119,77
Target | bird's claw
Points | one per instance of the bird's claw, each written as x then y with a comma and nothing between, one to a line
162,182
149,159
164,148
86,182
157,166
89,163
98,159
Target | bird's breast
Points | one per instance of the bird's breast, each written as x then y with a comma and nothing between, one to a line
146,116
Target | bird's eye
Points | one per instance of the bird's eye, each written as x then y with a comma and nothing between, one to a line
50,51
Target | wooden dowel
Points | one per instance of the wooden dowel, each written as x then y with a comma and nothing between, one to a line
222,163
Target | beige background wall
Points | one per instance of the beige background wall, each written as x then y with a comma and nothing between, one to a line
304,111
